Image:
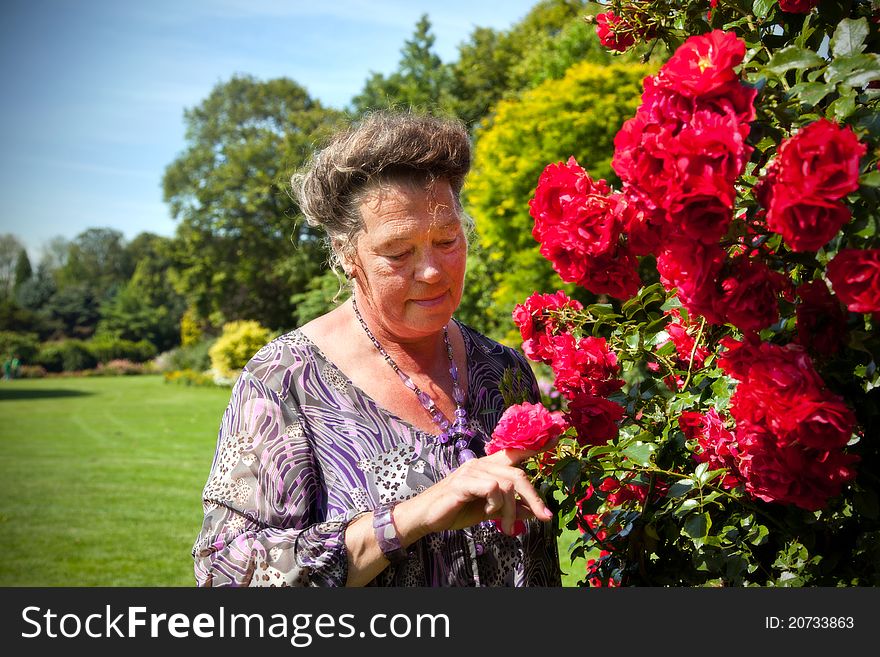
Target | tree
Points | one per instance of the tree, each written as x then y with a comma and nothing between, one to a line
23,269
421,82
147,307
10,248
35,296
493,65
577,115
238,251
96,261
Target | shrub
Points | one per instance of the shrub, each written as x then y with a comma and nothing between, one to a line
190,378
723,420
192,357
32,372
24,345
65,356
106,348
236,345
120,367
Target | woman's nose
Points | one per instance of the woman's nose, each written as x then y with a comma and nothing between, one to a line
428,268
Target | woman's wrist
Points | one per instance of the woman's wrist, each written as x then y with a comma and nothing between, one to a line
386,534
409,518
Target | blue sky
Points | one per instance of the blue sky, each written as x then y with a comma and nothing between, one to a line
95,90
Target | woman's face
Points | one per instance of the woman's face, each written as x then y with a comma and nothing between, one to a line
410,258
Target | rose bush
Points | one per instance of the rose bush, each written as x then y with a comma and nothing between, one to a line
722,421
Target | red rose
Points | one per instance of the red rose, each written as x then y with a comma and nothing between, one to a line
703,64
526,426
614,32
783,392
614,273
821,160
797,6
557,185
737,358
585,366
643,223
703,213
790,475
715,444
712,145
537,319
855,278
693,268
594,418
821,324
805,223
748,291
642,156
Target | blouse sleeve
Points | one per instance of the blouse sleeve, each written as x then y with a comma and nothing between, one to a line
262,500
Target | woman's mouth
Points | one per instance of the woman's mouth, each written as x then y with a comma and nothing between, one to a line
428,303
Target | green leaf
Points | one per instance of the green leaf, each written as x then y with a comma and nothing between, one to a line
854,71
844,106
766,142
809,93
639,452
680,487
849,37
866,504
685,506
793,57
760,8
870,179
759,535
570,473
697,525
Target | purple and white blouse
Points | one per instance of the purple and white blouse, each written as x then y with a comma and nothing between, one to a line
302,451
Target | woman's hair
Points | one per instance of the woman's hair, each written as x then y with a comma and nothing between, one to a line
382,147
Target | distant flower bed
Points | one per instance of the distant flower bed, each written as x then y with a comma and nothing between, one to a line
118,367
192,378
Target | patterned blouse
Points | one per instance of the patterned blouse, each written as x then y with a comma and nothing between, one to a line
302,452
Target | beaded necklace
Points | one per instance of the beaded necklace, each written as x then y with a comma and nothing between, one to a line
458,429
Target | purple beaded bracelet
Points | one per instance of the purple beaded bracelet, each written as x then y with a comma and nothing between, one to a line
386,533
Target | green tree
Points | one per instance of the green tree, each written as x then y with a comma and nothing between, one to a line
238,251
147,307
578,115
493,65
422,81
10,248
97,262
23,270
35,295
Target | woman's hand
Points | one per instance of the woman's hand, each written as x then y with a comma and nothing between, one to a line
491,487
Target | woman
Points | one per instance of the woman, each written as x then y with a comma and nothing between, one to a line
351,452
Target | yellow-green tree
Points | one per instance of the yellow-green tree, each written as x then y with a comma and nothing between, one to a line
577,115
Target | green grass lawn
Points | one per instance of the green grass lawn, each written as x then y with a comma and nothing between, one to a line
102,477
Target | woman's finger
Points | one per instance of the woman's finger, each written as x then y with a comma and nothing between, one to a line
522,487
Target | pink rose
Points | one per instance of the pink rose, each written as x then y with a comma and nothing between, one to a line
526,426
